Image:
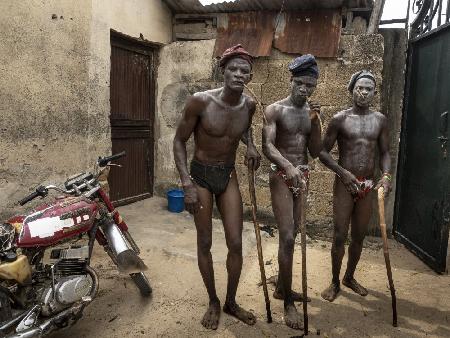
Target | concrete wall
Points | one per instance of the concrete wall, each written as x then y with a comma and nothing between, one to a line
395,42
44,56
54,88
187,67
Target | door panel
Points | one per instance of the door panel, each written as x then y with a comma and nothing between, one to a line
422,212
132,98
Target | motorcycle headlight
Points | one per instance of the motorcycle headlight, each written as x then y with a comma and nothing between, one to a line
7,233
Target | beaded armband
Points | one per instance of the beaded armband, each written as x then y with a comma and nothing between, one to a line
387,176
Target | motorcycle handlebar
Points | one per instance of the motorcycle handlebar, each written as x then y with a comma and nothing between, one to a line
103,161
40,191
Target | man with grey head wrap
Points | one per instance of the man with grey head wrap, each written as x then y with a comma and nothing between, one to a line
359,131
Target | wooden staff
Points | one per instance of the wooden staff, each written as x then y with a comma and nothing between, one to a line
251,187
386,254
303,243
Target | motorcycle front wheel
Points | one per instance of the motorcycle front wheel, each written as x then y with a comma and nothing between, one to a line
139,278
142,283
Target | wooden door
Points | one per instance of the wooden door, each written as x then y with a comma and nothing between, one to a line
132,97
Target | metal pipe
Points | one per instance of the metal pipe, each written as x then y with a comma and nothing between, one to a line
407,18
430,16
115,238
447,16
50,324
13,321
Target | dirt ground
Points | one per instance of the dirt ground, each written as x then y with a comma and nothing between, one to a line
179,298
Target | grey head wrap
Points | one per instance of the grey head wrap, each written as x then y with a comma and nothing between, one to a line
363,74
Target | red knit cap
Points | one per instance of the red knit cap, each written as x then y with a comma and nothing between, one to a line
235,52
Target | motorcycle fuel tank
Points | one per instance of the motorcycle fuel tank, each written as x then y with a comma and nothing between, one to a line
64,218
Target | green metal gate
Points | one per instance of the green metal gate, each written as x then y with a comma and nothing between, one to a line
422,208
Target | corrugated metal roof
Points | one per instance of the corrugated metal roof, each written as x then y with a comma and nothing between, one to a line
195,7
309,31
253,30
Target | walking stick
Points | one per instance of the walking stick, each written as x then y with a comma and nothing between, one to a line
386,254
304,277
251,187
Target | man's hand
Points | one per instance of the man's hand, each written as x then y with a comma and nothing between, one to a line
252,157
314,111
295,176
384,182
350,182
191,198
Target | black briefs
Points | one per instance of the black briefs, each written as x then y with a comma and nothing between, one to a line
214,177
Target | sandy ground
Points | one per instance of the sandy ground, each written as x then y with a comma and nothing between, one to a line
179,298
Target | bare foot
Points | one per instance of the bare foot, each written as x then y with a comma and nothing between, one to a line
211,318
292,317
296,296
331,292
236,311
355,286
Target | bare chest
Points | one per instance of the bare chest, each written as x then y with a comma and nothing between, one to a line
293,122
361,127
219,121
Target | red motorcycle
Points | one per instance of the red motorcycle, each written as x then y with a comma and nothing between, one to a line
46,279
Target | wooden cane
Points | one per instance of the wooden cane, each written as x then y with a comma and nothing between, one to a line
386,254
251,187
303,244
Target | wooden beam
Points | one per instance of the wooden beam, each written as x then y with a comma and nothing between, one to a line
376,16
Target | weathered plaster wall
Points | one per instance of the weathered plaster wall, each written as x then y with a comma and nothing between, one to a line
187,67
150,20
395,42
54,88
44,53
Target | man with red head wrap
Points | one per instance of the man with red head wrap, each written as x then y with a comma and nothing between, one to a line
219,119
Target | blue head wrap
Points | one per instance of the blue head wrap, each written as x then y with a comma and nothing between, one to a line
304,65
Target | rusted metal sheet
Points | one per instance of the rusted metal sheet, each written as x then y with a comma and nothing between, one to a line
253,30
316,32
194,6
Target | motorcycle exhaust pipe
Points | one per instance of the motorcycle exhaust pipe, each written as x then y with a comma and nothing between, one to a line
127,259
50,325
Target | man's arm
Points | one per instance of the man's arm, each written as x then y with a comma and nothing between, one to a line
347,178
385,158
271,152
252,156
190,117
315,136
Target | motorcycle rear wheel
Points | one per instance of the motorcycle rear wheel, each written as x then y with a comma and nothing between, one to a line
142,283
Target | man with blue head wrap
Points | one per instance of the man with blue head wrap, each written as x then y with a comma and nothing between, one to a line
359,132
292,128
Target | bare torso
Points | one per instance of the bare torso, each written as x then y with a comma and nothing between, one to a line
293,127
220,127
357,139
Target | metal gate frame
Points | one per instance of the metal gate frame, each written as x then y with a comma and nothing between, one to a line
402,158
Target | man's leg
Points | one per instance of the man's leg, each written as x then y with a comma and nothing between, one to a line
229,204
297,211
360,220
342,211
203,223
282,205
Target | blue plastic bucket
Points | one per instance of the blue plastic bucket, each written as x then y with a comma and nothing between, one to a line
175,200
